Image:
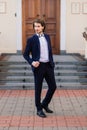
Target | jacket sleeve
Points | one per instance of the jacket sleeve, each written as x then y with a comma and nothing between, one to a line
50,53
28,50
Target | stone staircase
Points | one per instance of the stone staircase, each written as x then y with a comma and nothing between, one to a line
16,73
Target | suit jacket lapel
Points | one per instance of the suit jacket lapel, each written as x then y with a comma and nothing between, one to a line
36,38
47,41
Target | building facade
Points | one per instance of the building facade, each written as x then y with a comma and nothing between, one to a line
70,16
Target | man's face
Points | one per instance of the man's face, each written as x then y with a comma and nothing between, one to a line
38,28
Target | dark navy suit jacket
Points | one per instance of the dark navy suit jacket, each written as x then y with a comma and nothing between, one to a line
32,50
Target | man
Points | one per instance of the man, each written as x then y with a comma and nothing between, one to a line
38,53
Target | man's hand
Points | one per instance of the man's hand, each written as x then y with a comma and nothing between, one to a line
35,64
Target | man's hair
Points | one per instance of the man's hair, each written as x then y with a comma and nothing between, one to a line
41,21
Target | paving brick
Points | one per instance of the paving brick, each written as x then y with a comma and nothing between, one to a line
62,128
50,128
38,128
13,128
18,112
23,128
6,128
72,128
1,128
84,128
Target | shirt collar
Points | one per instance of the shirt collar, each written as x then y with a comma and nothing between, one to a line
40,35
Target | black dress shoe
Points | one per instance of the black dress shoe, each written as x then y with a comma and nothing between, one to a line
41,114
47,109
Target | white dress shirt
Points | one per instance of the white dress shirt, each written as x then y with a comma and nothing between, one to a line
43,49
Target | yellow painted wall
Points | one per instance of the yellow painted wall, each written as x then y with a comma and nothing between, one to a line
8,26
76,21
71,29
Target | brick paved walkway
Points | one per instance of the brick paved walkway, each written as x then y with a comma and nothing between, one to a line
18,112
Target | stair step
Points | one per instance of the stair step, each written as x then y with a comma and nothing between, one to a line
31,86
56,63
56,73
25,71
7,68
72,63
16,73
30,79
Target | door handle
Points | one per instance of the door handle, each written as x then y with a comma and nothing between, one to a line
38,15
44,15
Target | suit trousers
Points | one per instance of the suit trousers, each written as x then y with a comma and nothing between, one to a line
44,71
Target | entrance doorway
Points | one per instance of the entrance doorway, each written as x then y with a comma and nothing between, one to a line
49,10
